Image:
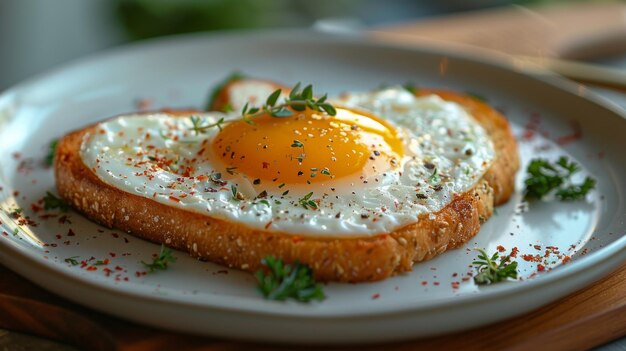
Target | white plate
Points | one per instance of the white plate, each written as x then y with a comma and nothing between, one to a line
208,299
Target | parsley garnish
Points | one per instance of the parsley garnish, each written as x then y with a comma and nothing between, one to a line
491,272
306,201
544,177
297,143
51,202
298,100
71,260
161,260
281,281
52,148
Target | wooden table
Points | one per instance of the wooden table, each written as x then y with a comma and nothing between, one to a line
587,318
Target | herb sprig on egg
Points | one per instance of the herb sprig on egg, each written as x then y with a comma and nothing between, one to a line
298,100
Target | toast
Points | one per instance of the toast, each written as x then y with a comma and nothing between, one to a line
347,259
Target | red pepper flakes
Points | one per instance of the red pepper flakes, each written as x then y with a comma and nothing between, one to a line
92,268
58,236
107,271
424,282
514,252
566,259
143,104
576,134
36,208
537,247
375,296
540,268
5,233
455,285
118,268
531,127
436,283
500,248
268,225
139,274
173,198
112,254
115,235
70,232
528,258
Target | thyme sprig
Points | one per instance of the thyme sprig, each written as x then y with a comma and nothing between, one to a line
298,100
161,261
489,271
280,281
198,126
544,177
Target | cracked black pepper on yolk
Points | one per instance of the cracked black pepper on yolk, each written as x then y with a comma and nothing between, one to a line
309,146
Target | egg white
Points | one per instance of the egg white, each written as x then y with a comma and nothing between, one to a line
437,135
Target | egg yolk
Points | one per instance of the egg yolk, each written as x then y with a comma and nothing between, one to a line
309,146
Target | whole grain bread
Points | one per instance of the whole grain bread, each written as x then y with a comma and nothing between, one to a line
332,258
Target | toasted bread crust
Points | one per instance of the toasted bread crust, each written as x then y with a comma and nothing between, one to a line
332,258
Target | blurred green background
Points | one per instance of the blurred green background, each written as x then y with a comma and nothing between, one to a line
36,35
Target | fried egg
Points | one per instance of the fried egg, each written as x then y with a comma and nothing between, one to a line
386,159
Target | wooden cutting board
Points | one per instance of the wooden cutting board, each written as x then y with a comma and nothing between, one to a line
587,318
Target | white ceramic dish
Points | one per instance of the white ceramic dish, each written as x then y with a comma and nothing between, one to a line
208,299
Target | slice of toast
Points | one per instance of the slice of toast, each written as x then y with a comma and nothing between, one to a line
332,259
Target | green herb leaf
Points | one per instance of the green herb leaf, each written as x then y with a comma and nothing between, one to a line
279,281
297,101
297,143
410,87
52,148
306,201
271,100
489,271
476,96
71,260
282,112
576,191
544,178
161,261
233,77
231,170
51,202
198,127
434,178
